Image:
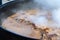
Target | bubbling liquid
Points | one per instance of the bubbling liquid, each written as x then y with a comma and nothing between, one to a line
22,23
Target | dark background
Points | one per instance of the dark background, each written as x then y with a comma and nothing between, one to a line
0,2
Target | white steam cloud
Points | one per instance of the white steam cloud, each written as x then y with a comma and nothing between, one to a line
48,3
53,6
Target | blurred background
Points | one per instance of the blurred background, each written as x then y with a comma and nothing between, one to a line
4,1
0,2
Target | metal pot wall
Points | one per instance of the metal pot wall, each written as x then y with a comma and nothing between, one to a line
6,11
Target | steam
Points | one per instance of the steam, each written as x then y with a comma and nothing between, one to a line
54,7
48,4
51,5
40,21
56,15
